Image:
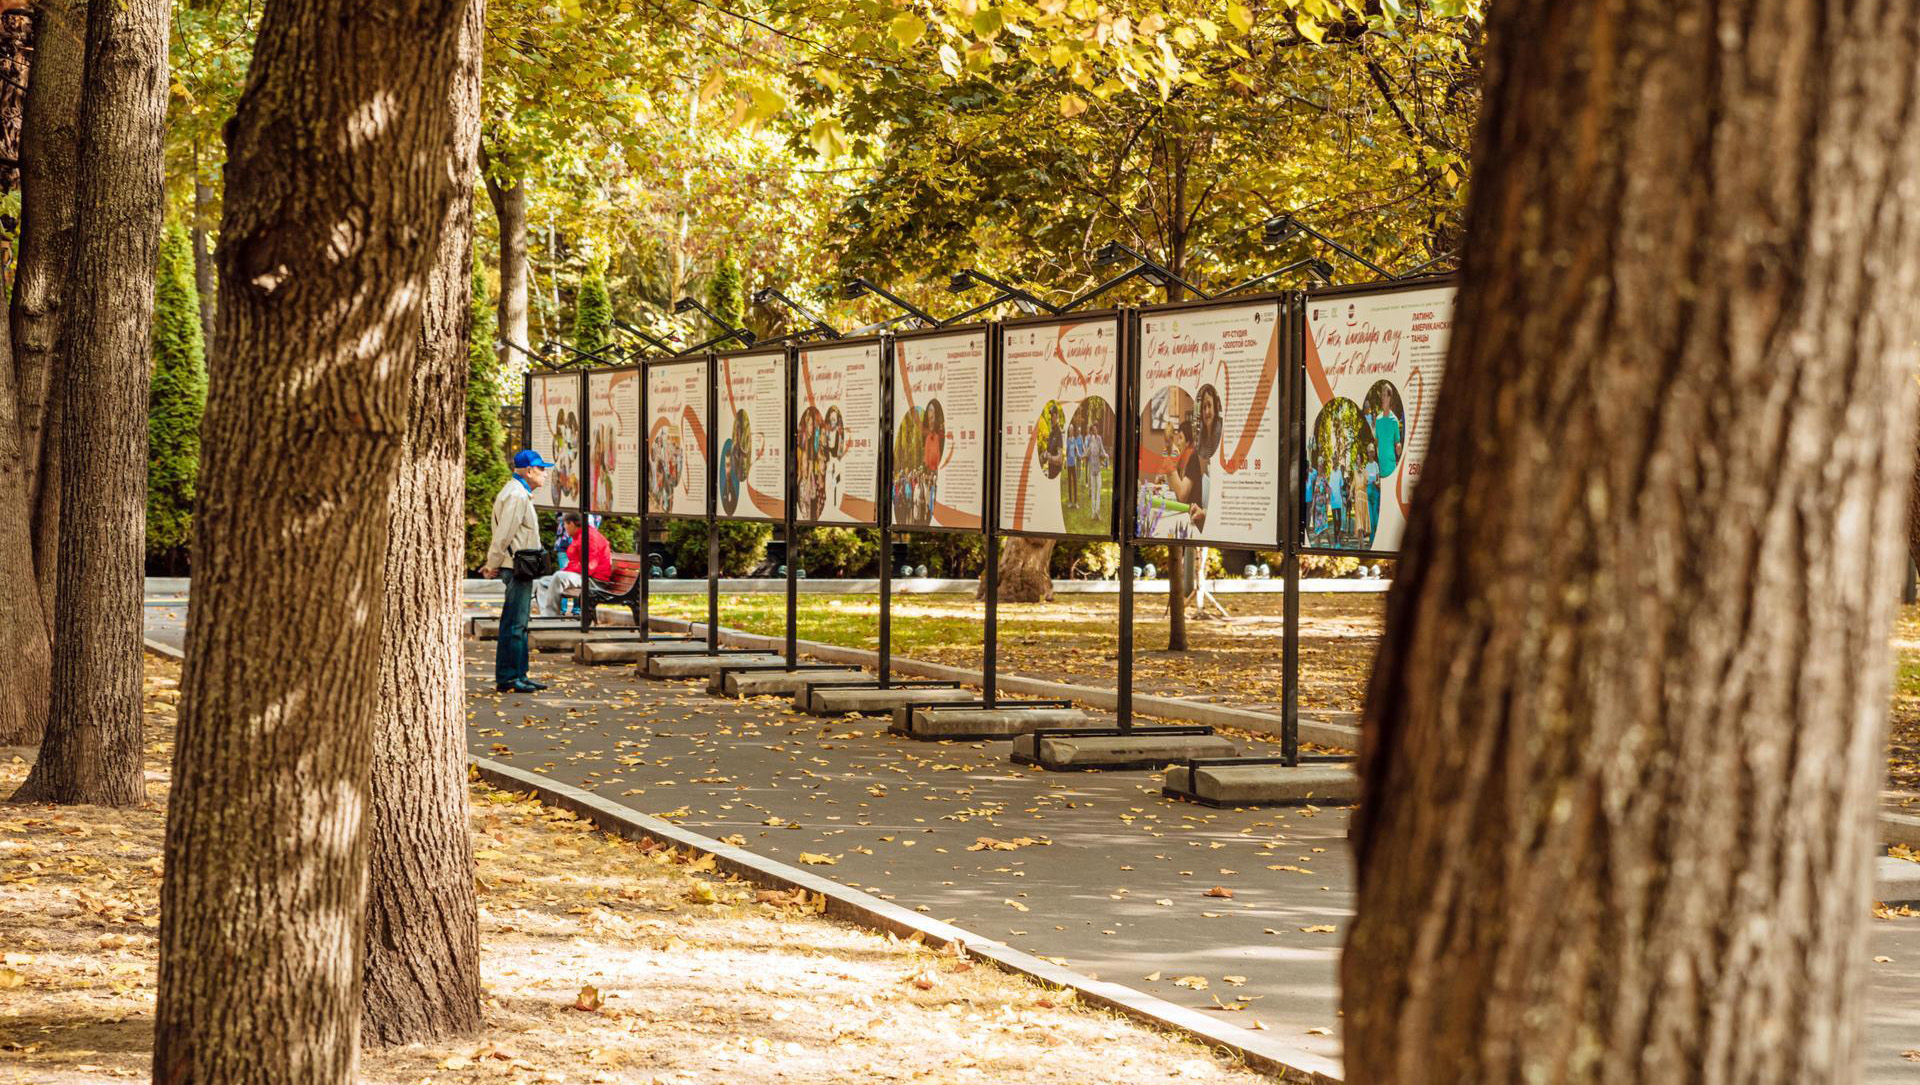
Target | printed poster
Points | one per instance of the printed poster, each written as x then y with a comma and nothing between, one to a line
939,431
1057,437
752,476
677,438
1211,468
838,438
613,407
553,423
1374,365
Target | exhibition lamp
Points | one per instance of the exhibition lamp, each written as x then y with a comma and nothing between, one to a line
964,280
1319,273
644,337
767,293
1282,228
859,287
1109,255
728,331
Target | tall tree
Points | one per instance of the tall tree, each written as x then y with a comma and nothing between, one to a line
1624,733
423,928
336,184
592,312
486,438
29,454
508,194
92,750
175,402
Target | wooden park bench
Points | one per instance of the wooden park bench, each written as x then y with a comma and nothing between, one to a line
623,589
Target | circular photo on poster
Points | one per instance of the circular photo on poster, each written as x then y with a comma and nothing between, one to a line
919,447
1172,498
665,463
1049,438
736,456
835,427
1343,478
1086,468
810,465
1384,414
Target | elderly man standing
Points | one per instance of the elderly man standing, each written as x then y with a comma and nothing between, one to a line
516,528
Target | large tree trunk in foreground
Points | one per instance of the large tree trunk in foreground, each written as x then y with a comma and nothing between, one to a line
92,750
509,198
1624,734
422,969
1026,570
335,186
47,169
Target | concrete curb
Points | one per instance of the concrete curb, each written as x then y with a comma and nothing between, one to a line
1322,732
1290,1065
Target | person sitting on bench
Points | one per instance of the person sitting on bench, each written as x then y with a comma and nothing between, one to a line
598,564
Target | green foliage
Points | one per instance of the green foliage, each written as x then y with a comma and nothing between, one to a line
954,556
486,441
723,293
592,313
743,546
837,551
175,401
620,532
1077,560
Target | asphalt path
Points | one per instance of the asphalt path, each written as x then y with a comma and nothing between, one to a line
1095,870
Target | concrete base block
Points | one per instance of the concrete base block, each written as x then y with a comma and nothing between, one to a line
727,683
1261,784
488,628
876,702
694,664
1149,751
603,652
1896,881
953,724
565,640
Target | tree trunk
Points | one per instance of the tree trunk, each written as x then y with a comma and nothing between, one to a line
1026,570
1177,586
509,199
27,541
422,970
1176,600
1624,733
326,242
92,750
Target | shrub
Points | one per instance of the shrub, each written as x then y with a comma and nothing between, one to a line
743,546
837,551
954,556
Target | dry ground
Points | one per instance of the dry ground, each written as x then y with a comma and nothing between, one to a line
604,961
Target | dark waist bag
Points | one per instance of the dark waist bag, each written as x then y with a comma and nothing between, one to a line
532,564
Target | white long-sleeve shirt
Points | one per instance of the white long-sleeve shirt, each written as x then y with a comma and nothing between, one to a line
516,526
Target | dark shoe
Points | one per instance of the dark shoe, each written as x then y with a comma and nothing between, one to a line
528,686
510,687
531,684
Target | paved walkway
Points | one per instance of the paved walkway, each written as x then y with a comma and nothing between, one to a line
1120,889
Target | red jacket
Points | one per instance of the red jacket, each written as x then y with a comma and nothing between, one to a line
599,556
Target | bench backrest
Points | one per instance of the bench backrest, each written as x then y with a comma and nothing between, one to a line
626,571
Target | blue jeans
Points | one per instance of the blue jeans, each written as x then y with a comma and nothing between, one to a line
510,649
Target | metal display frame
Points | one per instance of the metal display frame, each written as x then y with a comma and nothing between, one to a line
996,386
719,360
985,331
579,377
648,516
793,436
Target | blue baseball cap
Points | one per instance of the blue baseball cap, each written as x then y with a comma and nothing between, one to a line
527,457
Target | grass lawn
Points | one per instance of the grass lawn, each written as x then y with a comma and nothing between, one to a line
1233,661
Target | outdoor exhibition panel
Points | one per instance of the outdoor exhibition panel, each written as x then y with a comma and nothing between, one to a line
1057,388
613,417
677,432
838,433
939,430
1209,432
1374,358
751,476
553,430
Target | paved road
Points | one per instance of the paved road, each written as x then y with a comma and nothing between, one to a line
1120,889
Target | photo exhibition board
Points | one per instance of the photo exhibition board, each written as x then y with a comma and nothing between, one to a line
677,438
751,479
1374,365
1058,431
613,411
1211,466
939,431
553,430
837,435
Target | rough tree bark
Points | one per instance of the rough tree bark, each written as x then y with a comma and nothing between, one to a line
422,973
92,750
1025,570
335,186
508,195
29,524
1624,733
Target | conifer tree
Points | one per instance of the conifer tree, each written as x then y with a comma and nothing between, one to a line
486,451
592,312
175,401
